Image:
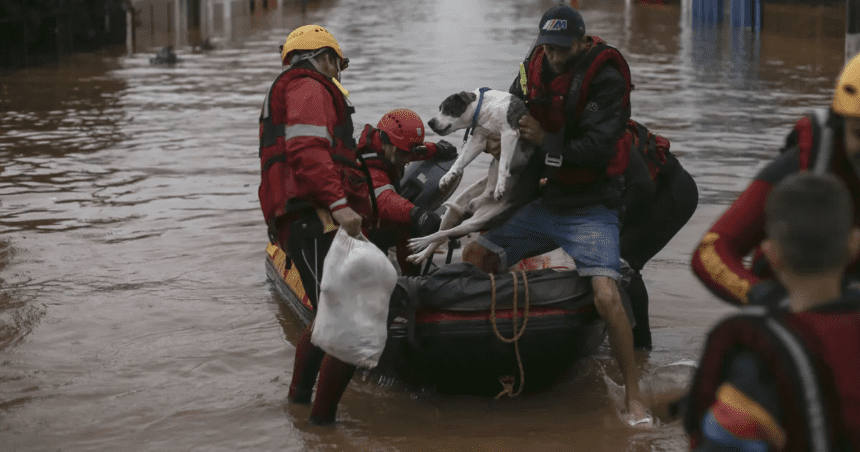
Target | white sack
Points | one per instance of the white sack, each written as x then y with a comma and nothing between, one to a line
356,287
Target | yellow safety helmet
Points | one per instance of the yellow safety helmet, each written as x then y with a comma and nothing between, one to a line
309,37
846,100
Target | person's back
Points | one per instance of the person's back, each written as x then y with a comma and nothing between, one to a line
831,335
786,379
659,197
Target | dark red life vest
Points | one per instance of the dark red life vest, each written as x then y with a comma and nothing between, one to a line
814,357
808,131
276,196
814,151
817,149
565,99
808,138
370,149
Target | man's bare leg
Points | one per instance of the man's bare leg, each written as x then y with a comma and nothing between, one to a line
607,300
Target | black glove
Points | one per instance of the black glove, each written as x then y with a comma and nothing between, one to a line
424,222
445,151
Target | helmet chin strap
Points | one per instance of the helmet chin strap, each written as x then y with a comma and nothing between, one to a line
316,65
307,56
311,57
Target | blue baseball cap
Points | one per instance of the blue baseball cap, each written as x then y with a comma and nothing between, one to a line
560,25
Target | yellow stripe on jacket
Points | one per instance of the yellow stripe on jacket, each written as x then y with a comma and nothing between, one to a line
745,418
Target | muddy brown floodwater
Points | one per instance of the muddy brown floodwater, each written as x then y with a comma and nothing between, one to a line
135,313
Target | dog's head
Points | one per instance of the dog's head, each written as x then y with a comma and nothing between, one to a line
455,113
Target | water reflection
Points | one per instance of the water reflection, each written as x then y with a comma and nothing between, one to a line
19,313
43,117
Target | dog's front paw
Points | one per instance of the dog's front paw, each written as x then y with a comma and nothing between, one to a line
420,256
448,179
415,259
417,244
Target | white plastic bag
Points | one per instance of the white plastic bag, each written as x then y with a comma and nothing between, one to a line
356,287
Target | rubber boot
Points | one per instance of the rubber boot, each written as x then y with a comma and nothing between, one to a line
305,369
334,378
639,304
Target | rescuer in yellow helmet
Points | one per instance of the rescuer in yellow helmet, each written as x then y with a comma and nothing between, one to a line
827,140
312,183
846,103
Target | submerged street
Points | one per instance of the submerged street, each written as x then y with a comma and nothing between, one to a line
135,313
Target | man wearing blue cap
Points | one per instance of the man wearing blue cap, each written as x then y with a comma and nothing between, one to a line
577,89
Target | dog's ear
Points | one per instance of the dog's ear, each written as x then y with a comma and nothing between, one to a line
467,97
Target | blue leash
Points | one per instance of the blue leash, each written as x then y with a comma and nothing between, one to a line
471,129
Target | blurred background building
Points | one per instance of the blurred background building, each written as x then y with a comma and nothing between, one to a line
35,31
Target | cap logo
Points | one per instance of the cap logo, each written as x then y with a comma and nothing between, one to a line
418,130
555,25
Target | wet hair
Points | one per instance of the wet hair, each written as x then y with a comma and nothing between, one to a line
810,216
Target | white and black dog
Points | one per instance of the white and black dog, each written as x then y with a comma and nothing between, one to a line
495,197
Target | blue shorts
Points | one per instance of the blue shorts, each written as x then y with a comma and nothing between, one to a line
588,234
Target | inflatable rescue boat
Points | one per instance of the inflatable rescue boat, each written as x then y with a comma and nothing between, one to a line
456,330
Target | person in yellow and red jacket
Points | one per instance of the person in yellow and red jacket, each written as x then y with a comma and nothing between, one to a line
311,180
396,140
784,378
577,89
827,138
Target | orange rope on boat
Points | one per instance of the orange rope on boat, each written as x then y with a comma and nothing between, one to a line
508,388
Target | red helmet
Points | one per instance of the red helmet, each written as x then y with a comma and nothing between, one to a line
404,128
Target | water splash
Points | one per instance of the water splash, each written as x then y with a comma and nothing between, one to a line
660,387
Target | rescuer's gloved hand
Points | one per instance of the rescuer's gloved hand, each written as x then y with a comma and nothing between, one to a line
445,150
424,222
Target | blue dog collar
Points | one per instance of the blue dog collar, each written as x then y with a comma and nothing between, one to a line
471,129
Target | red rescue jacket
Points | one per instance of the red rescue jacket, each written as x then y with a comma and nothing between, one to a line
551,106
307,152
719,259
393,209
814,357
